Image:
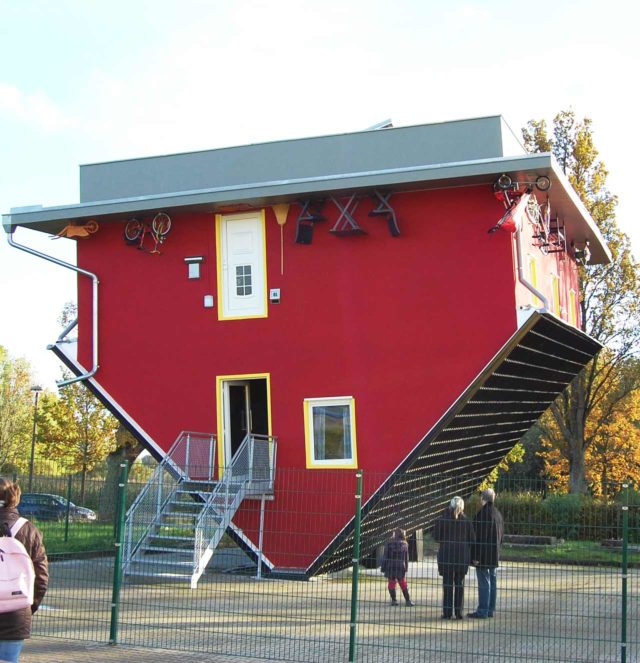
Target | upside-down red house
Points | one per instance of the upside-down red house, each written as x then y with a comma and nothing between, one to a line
400,300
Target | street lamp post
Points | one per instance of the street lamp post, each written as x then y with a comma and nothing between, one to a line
36,389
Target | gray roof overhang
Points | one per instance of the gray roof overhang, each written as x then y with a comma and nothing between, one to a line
579,225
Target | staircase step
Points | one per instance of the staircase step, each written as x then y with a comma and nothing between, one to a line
171,537
192,486
163,549
186,505
157,574
163,562
179,515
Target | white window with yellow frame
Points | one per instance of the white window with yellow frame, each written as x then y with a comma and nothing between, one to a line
573,308
533,279
555,295
330,432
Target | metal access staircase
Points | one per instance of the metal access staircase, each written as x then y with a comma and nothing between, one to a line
179,518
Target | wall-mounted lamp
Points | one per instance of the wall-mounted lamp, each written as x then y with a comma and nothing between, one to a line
193,266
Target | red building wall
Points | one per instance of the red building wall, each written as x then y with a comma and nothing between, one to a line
402,324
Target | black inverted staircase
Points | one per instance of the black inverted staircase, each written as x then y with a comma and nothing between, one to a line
537,363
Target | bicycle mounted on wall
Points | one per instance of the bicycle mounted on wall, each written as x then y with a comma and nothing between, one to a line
137,230
549,233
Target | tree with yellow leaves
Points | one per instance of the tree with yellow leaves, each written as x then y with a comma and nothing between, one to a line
575,426
612,437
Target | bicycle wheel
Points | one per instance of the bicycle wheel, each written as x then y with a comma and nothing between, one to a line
133,230
91,226
543,183
504,182
161,225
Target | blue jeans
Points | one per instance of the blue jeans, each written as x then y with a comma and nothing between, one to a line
10,650
487,590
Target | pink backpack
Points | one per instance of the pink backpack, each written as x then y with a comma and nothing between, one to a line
17,576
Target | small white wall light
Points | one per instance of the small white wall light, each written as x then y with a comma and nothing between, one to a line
193,266
208,301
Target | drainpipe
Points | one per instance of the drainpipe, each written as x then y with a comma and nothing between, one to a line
94,278
522,279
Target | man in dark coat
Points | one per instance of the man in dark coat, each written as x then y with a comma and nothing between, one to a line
489,529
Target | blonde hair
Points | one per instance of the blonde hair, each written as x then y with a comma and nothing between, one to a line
456,505
9,493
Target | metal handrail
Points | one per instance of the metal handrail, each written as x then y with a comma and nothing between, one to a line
162,487
245,469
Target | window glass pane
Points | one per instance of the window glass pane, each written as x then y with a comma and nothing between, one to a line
244,286
332,432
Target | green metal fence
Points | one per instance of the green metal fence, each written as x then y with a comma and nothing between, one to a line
568,587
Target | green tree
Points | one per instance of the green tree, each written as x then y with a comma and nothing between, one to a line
76,430
610,301
16,410
127,448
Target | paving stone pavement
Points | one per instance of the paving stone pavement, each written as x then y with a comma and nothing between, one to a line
55,650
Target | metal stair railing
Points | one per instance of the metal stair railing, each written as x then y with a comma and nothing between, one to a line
191,454
252,469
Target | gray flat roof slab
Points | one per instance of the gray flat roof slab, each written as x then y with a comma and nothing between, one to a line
301,159
452,154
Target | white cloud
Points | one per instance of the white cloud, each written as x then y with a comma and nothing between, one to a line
36,109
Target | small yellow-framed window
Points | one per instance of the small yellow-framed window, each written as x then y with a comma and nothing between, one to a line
330,432
533,277
555,291
573,309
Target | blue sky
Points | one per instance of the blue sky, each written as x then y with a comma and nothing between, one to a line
88,81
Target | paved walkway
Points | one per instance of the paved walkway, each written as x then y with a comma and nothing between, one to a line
54,650
547,613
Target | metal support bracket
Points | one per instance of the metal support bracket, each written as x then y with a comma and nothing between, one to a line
308,217
385,209
346,223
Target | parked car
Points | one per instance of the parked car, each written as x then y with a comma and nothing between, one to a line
43,506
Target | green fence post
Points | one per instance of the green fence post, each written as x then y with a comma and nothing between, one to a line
625,542
117,566
66,515
356,569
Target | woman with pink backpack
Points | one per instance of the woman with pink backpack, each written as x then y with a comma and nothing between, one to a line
24,573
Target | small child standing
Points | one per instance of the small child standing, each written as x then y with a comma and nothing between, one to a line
395,563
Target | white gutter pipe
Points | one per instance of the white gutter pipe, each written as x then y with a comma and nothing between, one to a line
521,277
94,278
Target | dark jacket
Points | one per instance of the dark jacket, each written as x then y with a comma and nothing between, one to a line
489,534
17,625
456,538
395,560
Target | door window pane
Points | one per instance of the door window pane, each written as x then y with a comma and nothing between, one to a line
243,281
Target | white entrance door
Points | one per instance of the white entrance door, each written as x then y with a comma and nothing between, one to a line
237,416
241,266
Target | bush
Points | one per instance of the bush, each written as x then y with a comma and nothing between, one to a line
563,515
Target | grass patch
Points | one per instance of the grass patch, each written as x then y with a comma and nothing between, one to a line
569,552
81,537
587,553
